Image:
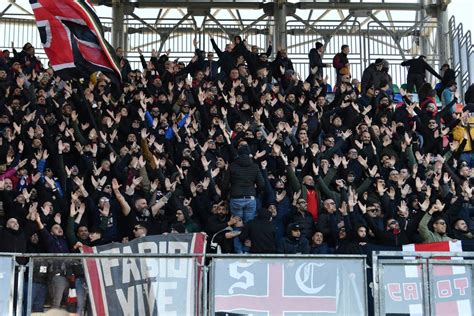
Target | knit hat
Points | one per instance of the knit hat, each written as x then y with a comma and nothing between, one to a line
319,45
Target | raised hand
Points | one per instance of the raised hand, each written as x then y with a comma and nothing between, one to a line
424,206
57,218
115,185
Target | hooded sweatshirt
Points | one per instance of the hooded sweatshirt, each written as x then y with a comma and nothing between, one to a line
189,224
293,245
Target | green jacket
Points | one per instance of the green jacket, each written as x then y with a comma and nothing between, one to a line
426,234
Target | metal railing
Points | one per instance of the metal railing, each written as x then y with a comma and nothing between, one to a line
293,283
462,55
335,282
423,283
392,41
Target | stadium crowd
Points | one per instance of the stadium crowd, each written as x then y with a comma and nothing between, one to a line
290,164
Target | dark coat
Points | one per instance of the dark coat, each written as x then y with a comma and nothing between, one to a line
388,237
54,244
322,249
242,176
315,60
292,245
460,235
419,66
261,233
305,220
14,241
213,226
226,59
371,76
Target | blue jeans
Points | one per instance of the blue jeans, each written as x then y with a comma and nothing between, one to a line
38,296
81,292
246,209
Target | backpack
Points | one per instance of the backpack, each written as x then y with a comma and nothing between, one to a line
335,60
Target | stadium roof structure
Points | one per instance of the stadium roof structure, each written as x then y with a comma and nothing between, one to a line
282,11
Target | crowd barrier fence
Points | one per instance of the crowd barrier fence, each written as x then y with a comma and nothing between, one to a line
423,283
412,283
462,54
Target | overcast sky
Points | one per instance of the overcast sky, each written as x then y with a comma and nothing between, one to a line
463,10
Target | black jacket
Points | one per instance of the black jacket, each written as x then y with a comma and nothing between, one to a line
226,59
460,235
216,224
305,221
371,76
261,233
292,245
419,66
242,176
15,241
388,237
12,241
315,60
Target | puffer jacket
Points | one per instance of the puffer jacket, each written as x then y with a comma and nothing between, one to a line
242,176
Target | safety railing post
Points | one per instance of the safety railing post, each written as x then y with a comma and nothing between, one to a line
205,289
30,286
19,288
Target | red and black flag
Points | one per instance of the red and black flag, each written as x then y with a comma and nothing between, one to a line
72,38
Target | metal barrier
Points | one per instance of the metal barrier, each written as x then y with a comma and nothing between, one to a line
401,41
132,289
151,284
301,38
277,285
368,41
412,283
7,273
462,54
423,283
20,31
